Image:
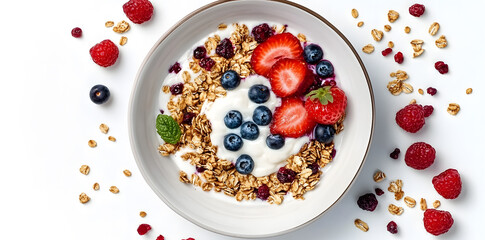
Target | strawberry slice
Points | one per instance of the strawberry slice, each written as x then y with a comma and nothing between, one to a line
283,45
288,76
291,119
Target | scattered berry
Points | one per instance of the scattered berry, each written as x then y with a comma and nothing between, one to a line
392,227
233,119
263,192
285,175
207,63
288,77
416,10
262,32
104,53
200,52
262,115
324,69
314,167
160,237
448,183
187,118
259,93
395,153
279,46
161,111
244,164
143,228
275,141
175,68
441,67
230,80
225,49
177,88
399,58
324,133
233,142
386,51
200,169
291,119
138,11
428,110
437,222
77,32
333,153
249,130
99,94
431,91
411,118
312,53
326,105
379,192
368,202
420,155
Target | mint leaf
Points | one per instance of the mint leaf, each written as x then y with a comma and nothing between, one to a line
168,129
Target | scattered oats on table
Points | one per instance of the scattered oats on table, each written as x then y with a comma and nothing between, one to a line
377,34
369,48
407,29
361,225
84,198
436,204
127,173
395,210
84,169
379,176
469,90
121,27
433,29
123,40
413,101
441,42
421,91
111,138
360,24
409,201
114,189
398,85
109,24
222,26
96,186
387,28
392,16
92,143
143,214
396,188
423,204
453,108
355,13
390,44
104,128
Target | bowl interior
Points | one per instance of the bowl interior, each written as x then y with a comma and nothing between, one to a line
215,211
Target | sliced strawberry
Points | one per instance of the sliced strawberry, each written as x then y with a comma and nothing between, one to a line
279,46
326,105
287,76
291,119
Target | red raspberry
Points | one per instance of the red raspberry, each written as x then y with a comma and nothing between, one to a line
263,192
399,58
285,175
77,32
431,91
416,10
428,110
448,184
441,67
392,227
420,155
143,229
411,118
437,222
207,63
386,51
138,11
160,238
104,53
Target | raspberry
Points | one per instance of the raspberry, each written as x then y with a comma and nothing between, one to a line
138,11
187,119
262,32
428,110
441,67
395,153
263,192
448,183
200,52
367,202
399,57
189,239
177,88
431,91
225,49
379,192
392,227
285,175
175,68
143,229
160,238
207,63
411,118
416,10
77,32
420,155
104,53
437,222
386,51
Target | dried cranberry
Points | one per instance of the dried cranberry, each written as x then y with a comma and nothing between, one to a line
428,110
187,119
399,57
262,32
225,49
285,175
416,10
143,229
175,68
161,111
333,153
367,202
160,238
386,51
200,52
379,191
207,63
177,88
200,169
263,192
77,32
441,67
431,91
395,153
392,227
314,167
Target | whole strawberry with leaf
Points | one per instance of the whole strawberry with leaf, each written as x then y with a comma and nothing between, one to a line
326,105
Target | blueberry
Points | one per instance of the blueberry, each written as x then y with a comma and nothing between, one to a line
233,119
324,69
324,133
99,94
262,116
275,141
249,130
258,93
244,164
233,142
230,80
312,53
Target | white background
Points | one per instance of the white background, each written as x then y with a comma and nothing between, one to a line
47,120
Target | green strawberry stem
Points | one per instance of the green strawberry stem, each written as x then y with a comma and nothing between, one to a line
324,95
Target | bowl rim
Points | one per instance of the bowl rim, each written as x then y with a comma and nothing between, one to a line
168,33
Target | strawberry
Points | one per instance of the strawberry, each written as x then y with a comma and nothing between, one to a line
291,119
283,45
288,76
326,105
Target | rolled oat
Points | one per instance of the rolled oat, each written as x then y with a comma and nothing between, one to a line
377,35
92,143
441,42
84,198
114,189
103,128
392,16
355,13
361,225
369,48
453,108
433,29
469,90
423,204
84,169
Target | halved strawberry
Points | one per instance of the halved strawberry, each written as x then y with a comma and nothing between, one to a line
279,46
288,76
326,105
291,119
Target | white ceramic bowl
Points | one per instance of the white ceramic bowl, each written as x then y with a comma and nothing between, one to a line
226,215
